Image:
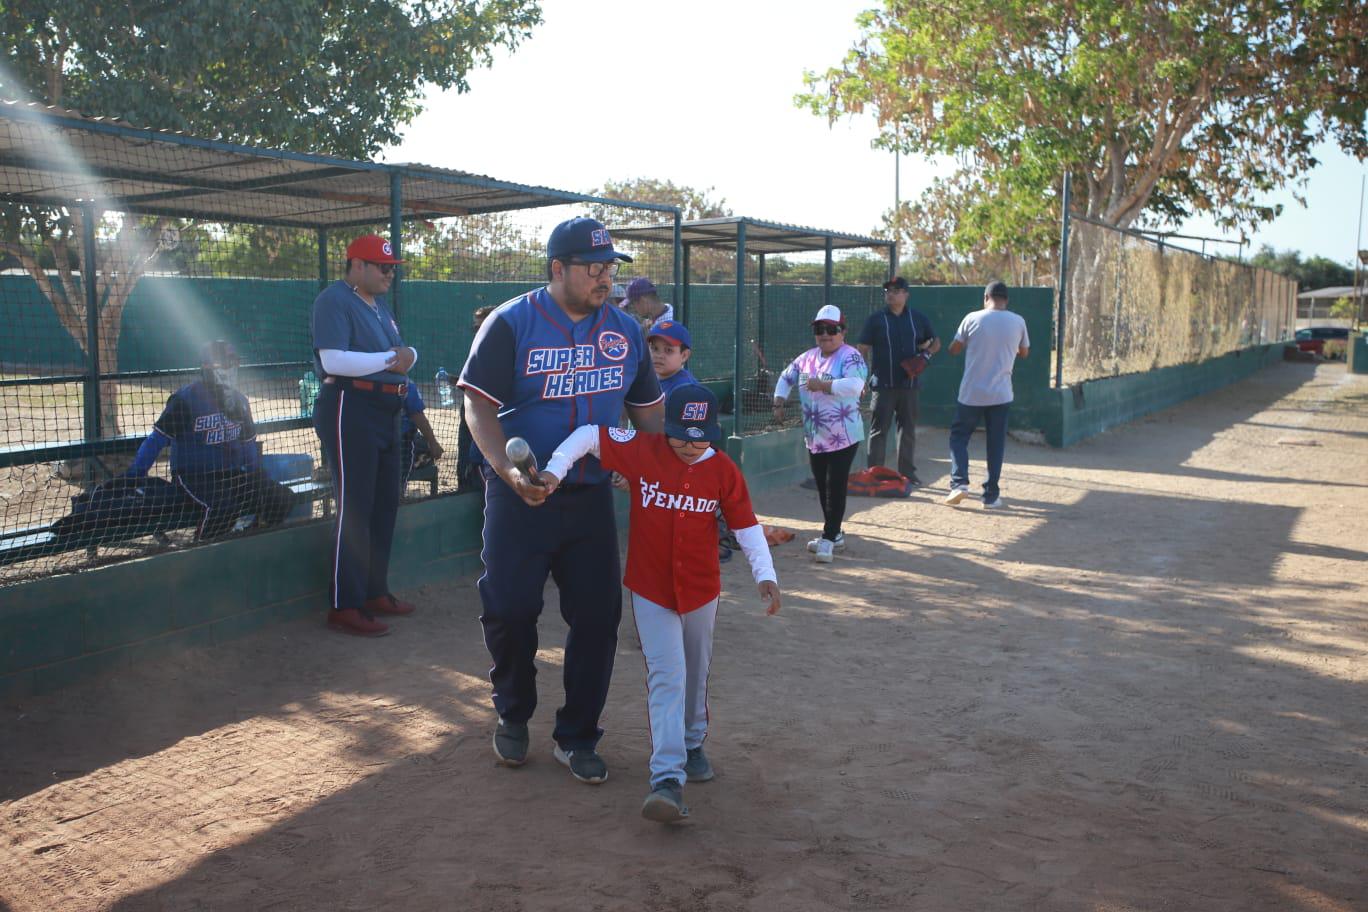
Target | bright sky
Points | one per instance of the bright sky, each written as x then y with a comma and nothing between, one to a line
701,94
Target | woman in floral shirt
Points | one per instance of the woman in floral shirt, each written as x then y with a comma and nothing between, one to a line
830,378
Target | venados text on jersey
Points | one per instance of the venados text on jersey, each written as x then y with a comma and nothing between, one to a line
651,495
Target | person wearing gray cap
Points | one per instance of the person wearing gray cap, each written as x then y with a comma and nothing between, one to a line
991,339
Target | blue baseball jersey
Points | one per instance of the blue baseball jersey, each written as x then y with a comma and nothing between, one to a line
205,436
413,404
549,374
681,378
343,320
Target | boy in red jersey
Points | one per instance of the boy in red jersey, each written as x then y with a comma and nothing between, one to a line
677,481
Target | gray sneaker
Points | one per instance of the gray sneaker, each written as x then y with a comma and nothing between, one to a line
665,804
585,764
957,493
696,767
510,743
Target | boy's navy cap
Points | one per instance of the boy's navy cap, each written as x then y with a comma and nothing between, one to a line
691,414
583,238
672,330
995,290
897,282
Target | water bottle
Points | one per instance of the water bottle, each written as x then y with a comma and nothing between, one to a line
308,392
444,394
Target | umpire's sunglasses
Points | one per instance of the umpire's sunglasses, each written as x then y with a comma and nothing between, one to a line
827,329
385,268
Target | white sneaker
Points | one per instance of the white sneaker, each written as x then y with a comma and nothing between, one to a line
824,551
839,544
957,493
994,504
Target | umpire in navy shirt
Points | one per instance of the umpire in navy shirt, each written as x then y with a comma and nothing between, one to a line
364,366
897,343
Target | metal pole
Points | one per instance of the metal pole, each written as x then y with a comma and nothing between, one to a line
89,272
684,296
1358,245
826,274
1063,283
678,254
396,235
322,258
893,260
760,310
737,348
897,206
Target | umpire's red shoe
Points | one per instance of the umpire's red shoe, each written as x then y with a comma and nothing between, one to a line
351,620
388,604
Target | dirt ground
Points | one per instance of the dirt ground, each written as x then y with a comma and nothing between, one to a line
1140,687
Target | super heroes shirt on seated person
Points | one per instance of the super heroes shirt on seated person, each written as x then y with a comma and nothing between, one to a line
672,542
204,438
343,320
549,374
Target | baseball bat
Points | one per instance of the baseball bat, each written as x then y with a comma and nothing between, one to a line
520,454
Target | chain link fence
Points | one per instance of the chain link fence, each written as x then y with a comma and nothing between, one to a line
124,251
1136,304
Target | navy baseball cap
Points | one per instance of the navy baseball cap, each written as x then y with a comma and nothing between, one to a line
691,414
640,288
897,282
672,330
584,239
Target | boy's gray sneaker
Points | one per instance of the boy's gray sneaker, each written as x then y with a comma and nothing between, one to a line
585,764
665,804
510,743
696,767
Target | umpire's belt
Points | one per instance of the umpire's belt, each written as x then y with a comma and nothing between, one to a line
368,386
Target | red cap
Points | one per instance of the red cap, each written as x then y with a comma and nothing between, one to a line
373,249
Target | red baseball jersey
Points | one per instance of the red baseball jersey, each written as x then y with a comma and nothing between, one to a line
672,544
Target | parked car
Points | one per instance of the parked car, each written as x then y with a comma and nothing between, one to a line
1313,338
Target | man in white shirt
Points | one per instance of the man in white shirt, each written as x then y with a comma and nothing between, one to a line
992,339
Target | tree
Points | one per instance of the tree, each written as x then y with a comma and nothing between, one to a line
1159,108
336,76
705,264
1315,272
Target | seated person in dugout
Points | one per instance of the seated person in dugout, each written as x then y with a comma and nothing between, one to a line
215,457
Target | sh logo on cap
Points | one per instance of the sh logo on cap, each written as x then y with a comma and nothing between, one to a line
691,414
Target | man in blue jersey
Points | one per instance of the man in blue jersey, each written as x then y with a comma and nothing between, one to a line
215,457
364,366
542,365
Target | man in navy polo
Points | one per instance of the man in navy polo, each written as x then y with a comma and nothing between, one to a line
897,342
364,366
541,365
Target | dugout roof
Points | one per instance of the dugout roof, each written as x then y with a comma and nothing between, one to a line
761,236
53,157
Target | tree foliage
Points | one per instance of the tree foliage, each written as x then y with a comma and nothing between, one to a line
1160,108
705,264
330,76
1313,272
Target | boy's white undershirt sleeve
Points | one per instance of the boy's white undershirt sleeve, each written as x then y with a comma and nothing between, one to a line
756,549
584,441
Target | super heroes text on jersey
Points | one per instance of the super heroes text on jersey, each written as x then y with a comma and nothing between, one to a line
580,370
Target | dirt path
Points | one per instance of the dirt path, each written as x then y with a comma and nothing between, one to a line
1144,686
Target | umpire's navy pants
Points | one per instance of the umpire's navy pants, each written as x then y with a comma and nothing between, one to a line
360,435
573,538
